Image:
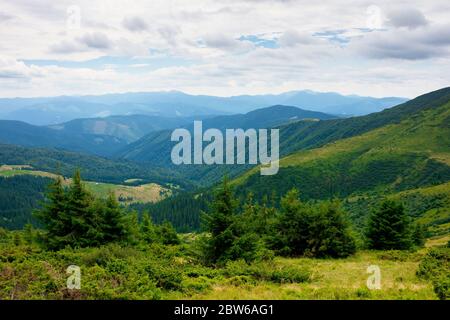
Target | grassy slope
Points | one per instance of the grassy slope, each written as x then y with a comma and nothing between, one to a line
409,161
150,192
427,134
168,272
336,279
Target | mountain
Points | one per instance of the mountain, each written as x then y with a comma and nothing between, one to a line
92,168
127,128
54,110
401,153
21,133
156,147
402,148
296,135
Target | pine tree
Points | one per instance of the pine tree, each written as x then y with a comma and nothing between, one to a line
113,220
84,223
167,234
148,231
419,232
28,233
293,230
330,232
133,232
54,217
220,223
389,227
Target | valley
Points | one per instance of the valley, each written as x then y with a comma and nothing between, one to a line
331,166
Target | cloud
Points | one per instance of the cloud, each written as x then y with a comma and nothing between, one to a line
5,17
66,46
292,38
407,17
418,44
96,40
240,47
169,33
13,70
134,24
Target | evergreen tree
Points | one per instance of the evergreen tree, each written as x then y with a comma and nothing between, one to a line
148,231
419,232
293,229
220,223
389,227
133,232
113,220
167,234
84,223
54,217
330,232
28,233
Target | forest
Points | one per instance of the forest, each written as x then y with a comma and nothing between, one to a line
258,246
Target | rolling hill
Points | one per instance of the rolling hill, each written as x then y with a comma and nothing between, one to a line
21,133
128,128
155,147
409,151
402,152
92,167
54,110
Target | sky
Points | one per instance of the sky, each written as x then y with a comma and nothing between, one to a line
372,48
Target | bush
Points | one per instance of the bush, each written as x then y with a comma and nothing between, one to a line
435,266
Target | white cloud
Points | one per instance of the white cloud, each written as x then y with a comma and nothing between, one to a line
193,46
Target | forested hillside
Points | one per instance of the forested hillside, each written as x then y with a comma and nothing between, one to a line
411,151
93,168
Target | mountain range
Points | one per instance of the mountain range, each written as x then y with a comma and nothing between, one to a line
117,135
54,110
403,152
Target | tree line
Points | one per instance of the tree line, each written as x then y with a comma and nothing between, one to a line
299,228
73,217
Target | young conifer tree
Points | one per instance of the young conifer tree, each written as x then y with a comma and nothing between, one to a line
389,227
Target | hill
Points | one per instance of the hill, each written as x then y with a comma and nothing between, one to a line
53,110
297,135
384,154
21,133
92,167
127,128
22,189
155,148
409,151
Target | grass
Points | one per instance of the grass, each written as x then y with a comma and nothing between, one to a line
335,279
151,192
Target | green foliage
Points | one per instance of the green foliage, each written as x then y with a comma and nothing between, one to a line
19,195
331,233
167,234
318,230
75,218
389,227
435,266
418,235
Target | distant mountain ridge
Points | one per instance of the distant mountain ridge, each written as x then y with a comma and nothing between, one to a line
54,110
24,134
128,128
156,146
295,136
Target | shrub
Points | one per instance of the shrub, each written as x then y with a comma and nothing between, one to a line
435,266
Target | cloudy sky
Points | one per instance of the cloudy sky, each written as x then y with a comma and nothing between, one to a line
223,48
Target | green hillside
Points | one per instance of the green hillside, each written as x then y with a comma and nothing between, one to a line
413,153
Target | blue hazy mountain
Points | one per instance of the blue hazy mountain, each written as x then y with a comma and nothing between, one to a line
54,110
